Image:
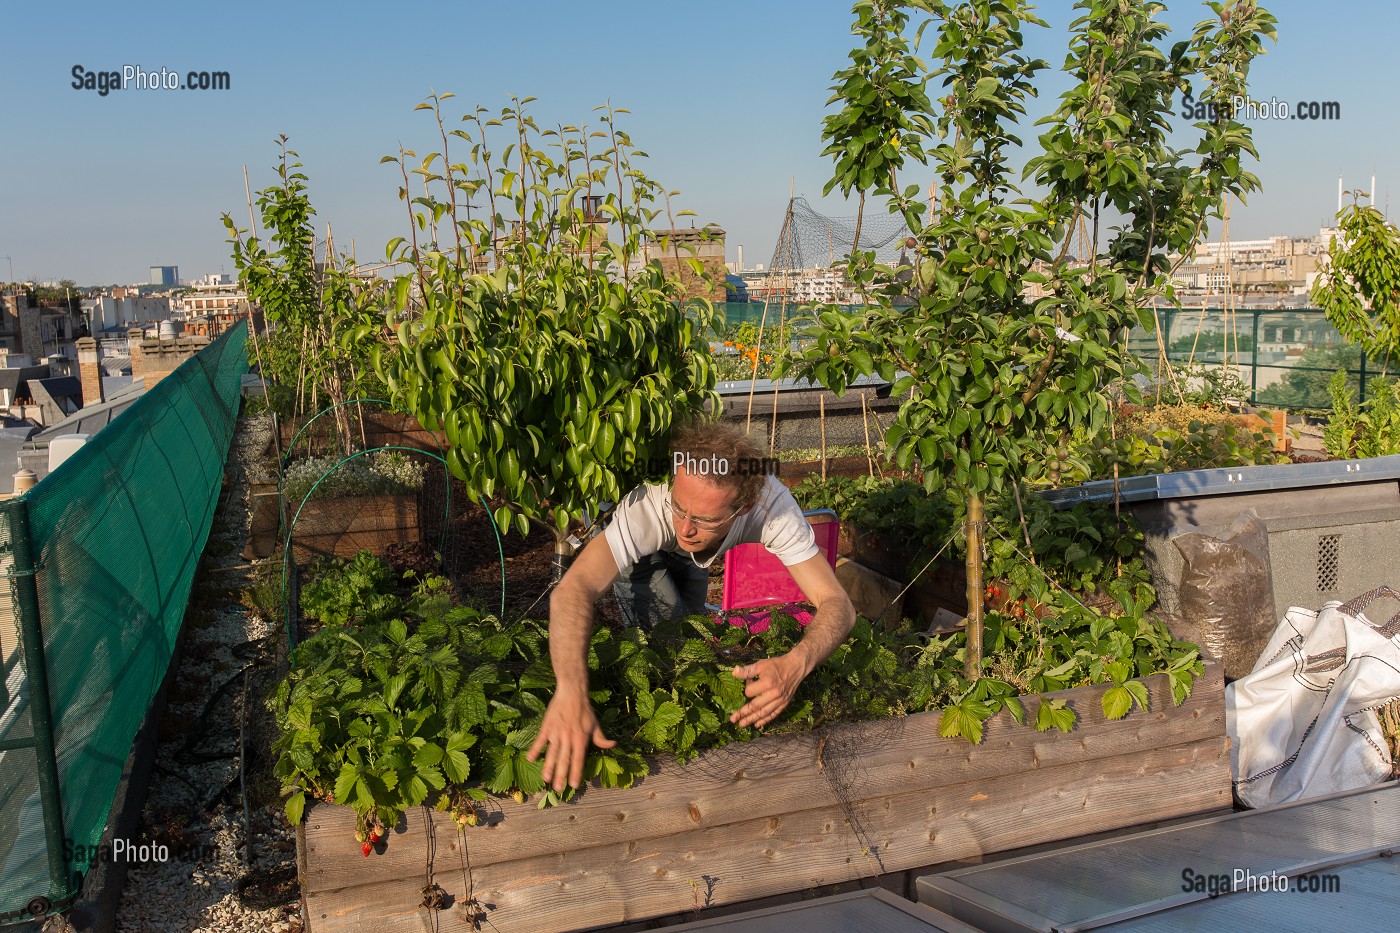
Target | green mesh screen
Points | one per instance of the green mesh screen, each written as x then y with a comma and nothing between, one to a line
116,533
1285,357
24,866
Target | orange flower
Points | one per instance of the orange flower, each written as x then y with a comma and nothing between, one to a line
729,343
768,359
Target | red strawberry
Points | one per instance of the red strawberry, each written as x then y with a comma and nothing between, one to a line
373,836
367,848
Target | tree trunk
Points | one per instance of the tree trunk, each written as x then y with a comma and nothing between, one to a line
563,553
972,661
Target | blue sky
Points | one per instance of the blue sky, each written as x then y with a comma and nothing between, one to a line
726,97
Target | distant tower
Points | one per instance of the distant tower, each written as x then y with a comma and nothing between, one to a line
165,275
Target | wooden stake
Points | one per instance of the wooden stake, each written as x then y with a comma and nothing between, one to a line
869,456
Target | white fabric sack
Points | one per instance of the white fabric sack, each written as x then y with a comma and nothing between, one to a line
1303,722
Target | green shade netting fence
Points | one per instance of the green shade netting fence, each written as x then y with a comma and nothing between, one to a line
116,533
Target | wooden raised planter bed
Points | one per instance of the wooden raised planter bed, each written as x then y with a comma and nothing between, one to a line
382,428
779,815
344,526
942,586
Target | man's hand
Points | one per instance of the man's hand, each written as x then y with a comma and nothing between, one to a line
771,684
569,724
567,729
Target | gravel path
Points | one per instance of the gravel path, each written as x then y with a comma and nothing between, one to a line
195,807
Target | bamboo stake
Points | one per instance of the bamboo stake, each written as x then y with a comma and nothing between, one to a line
869,457
252,330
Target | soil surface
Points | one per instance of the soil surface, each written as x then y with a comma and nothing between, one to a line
1310,456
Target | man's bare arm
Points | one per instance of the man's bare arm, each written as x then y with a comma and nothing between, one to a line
569,725
773,681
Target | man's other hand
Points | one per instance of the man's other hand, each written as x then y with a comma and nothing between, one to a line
771,684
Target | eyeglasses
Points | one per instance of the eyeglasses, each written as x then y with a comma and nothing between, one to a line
704,524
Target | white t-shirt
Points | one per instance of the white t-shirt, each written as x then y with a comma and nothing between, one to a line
642,525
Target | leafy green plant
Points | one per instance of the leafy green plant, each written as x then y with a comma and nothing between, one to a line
1359,288
1083,549
1011,347
1217,387
536,330
1339,436
1078,553
808,454
841,494
345,591
1170,438
416,701
318,352
1371,429
263,595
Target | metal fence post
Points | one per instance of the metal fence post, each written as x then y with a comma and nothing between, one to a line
1254,362
40,708
1362,385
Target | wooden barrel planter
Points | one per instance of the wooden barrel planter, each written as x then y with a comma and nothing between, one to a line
342,526
779,815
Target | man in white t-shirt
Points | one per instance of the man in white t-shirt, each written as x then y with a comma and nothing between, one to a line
661,543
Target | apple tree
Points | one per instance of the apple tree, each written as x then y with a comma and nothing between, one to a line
1013,343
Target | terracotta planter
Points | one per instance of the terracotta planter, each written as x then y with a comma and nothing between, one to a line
779,815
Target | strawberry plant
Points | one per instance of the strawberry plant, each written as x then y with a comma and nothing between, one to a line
428,702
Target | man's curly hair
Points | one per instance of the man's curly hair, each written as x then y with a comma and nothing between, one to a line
724,442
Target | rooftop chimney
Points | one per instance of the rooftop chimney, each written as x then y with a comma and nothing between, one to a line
90,370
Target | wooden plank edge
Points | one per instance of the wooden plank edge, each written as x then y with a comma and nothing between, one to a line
638,880
774,775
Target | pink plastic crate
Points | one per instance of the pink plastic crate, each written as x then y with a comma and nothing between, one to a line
753,577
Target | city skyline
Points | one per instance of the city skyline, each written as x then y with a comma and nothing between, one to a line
727,99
